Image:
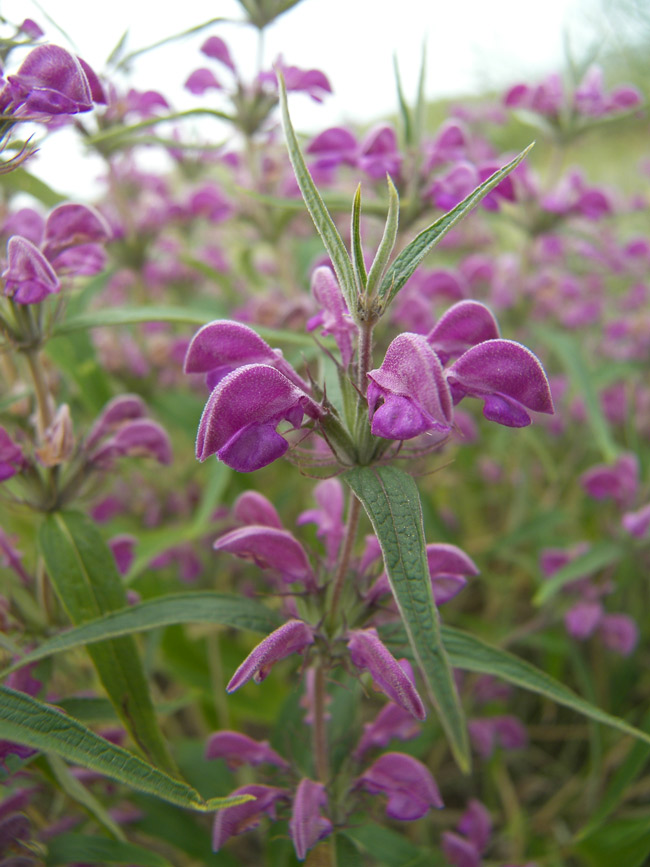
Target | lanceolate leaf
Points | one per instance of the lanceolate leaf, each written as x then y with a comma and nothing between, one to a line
317,209
388,239
224,609
473,654
82,569
92,849
392,502
411,256
357,249
25,720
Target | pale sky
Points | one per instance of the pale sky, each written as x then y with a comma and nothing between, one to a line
472,45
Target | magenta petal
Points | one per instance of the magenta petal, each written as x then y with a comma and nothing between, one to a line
251,507
368,653
408,394
53,82
476,824
201,80
582,619
506,376
293,637
619,633
29,277
465,324
235,820
237,749
460,852
70,224
306,825
408,784
269,548
217,49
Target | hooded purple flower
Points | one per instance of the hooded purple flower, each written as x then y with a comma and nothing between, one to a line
637,523
243,817
408,784
217,49
29,277
49,81
506,376
240,418
313,82
392,721
368,653
70,225
619,482
378,153
408,395
12,460
201,80
269,548
507,731
251,507
237,749
293,637
332,147
222,346
306,825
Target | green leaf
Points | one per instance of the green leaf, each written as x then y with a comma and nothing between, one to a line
124,62
569,351
118,136
473,654
357,248
390,848
388,239
392,502
404,110
78,848
599,556
626,841
21,181
316,207
224,609
411,256
82,569
25,720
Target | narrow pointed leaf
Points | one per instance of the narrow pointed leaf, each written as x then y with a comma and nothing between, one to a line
224,609
92,849
317,209
82,569
25,720
387,241
392,502
599,556
357,249
473,654
411,256
404,110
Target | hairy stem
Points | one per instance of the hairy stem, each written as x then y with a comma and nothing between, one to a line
320,727
354,509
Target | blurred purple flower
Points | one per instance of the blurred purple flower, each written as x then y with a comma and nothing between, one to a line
368,653
217,49
637,523
408,395
582,619
408,784
459,851
328,518
506,731
476,824
506,376
12,459
313,82
619,633
240,418
619,482
201,80
332,147
237,749
333,317
251,507
292,637
122,547
546,98
306,825
378,154
69,225
235,820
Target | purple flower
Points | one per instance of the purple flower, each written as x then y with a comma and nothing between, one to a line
506,376
293,637
378,154
306,825
368,653
235,820
50,81
333,147
476,824
408,784
459,851
582,619
240,418
408,395
465,324
122,547
546,98
222,346
392,721
619,633
251,507
201,80
507,731
329,517
237,749
70,225
637,523
334,317
619,482
29,277
12,460
313,82
141,437
217,49
269,548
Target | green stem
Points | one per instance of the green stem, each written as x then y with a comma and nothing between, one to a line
41,391
320,725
